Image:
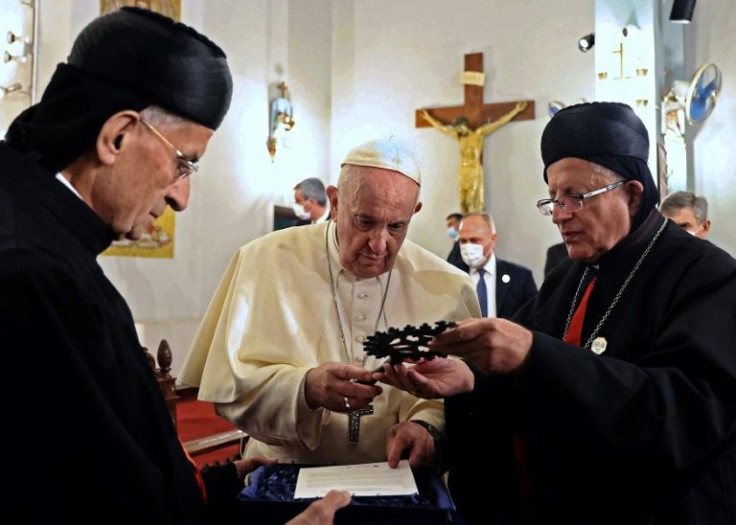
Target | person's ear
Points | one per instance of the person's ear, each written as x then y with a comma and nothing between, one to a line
635,190
418,207
706,227
113,134
332,197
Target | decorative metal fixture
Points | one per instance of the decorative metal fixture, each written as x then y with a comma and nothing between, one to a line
22,49
586,42
9,89
682,11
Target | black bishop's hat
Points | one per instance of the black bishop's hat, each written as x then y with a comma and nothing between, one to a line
127,59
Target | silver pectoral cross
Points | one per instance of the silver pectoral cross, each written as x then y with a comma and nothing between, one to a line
354,423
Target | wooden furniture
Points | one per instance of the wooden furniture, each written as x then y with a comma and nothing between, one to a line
161,365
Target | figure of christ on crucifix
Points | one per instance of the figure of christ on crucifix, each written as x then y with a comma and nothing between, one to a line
471,123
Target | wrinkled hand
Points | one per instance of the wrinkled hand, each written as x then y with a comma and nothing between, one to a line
322,511
408,436
245,466
329,384
495,346
438,377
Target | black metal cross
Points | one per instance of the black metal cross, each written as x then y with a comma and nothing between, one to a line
354,423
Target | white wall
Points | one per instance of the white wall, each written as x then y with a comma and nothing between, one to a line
710,39
357,70
391,58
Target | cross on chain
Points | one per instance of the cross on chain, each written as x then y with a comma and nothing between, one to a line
354,423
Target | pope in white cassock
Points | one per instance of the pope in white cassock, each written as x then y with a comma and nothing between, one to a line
280,350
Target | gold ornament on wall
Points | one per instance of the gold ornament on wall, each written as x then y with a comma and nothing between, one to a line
281,118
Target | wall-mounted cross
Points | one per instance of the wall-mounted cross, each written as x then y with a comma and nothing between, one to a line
470,124
473,107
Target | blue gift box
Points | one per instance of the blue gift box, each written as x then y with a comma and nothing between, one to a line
269,499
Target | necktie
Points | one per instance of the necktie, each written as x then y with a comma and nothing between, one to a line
575,331
482,292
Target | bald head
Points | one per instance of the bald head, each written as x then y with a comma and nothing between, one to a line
477,230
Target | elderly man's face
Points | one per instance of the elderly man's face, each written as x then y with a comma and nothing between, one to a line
142,181
373,209
604,220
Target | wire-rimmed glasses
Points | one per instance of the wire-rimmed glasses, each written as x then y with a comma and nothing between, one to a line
573,202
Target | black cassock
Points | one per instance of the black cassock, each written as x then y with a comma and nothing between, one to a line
87,436
644,432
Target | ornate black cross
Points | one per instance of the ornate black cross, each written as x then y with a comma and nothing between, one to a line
354,423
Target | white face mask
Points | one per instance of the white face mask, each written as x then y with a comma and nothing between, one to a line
452,232
300,212
472,254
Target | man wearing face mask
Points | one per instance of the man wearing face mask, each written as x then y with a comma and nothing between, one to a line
453,223
689,211
310,202
502,286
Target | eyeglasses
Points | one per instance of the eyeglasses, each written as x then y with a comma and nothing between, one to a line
573,202
184,166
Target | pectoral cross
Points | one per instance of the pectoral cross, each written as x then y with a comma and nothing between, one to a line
354,423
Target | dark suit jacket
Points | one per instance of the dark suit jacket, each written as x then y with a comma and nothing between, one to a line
454,257
302,222
513,292
555,254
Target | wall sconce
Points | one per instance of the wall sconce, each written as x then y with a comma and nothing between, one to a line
586,42
22,48
9,89
7,57
281,119
12,37
682,11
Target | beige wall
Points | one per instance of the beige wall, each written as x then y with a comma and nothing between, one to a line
357,70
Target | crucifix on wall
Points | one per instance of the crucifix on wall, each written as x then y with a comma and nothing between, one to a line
470,124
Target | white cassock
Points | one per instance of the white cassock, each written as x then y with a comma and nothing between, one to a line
272,319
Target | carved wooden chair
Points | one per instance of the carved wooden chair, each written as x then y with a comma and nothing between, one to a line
161,365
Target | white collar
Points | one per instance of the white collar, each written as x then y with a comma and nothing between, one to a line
489,266
68,184
325,214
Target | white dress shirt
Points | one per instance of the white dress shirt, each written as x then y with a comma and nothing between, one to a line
490,278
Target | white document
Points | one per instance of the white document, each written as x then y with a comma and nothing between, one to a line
368,479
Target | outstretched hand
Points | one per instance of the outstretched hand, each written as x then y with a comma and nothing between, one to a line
494,346
248,465
322,511
339,387
429,379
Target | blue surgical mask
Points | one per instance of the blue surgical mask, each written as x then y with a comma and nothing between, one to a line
452,232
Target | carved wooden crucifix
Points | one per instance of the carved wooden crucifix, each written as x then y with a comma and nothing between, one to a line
470,124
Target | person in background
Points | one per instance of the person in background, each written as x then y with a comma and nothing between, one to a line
502,286
280,349
113,141
612,398
555,254
687,210
453,222
310,202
